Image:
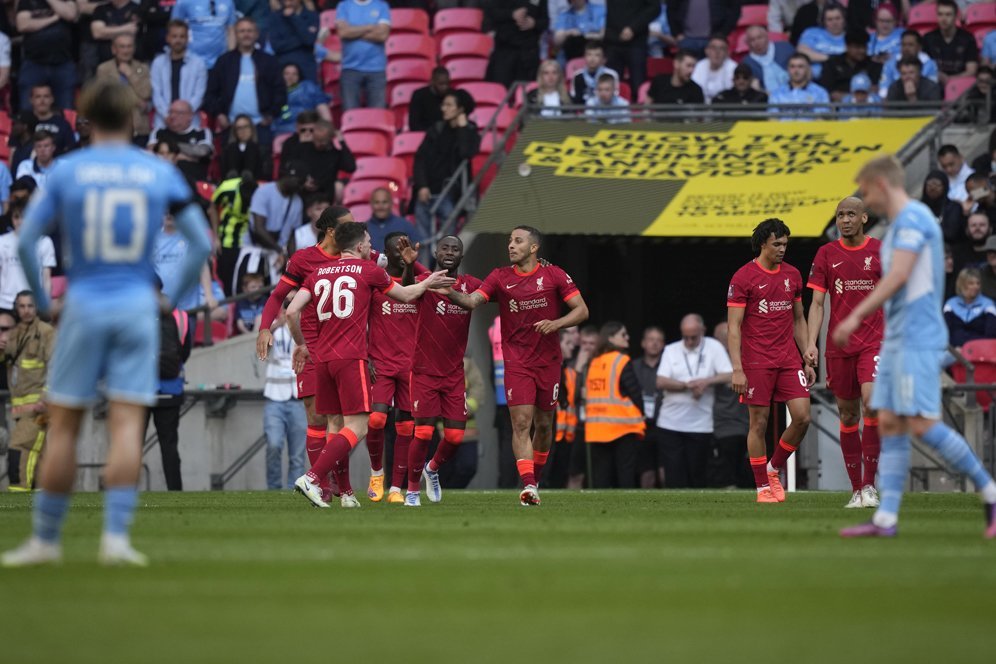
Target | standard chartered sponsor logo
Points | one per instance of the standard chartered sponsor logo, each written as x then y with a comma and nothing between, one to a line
440,307
762,306
858,285
385,308
838,286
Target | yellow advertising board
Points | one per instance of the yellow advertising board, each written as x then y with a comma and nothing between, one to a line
688,179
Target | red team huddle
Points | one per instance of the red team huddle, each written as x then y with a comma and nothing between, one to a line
412,327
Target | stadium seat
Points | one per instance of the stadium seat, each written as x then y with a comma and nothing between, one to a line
4,149
367,143
359,192
5,124
70,116
574,65
922,18
410,21
407,70
641,94
484,93
980,32
753,15
58,287
466,70
980,14
361,212
483,115
624,91
982,354
205,190
401,97
406,145
412,46
381,168
220,330
278,146
465,45
457,19
957,86
520,93
369,119
658,66
327,19
477,163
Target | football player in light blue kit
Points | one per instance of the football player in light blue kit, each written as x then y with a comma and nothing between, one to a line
907,389
109,201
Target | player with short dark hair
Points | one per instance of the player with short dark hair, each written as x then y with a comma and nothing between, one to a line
846,271
767,337
529,295
438,381
342,291
392,345
108,201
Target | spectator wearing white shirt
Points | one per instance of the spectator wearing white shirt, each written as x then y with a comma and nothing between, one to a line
12,279
953,165
44,159
714,73
688,372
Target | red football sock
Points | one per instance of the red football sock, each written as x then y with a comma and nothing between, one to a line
335,459
375,440
402,443
782,452
447,448
850,445
760,467
527,471
871,445
314,443
539,460
416,456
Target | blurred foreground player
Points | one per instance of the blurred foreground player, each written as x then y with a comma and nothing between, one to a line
907,389
767,337
109,200
846,271
529,295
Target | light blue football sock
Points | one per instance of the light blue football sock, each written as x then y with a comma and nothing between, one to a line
119,509
893,468
955,450
48,515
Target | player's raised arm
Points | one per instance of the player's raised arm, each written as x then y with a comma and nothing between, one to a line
190,221
468,301
413,292
734,319
577,314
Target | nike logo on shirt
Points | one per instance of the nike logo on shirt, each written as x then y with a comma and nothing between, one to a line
510,286
762,286
836,264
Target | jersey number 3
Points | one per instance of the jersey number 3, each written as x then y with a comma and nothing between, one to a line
342,297
100,212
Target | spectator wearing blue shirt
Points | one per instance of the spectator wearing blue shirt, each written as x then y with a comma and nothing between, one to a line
292,34
177,74
607,106
818,44
248,309
383,221
861,93
884,43
970,315
212,24
800,88
302,95
989,49
659,37
768,60
910,46
575,26
583,84
5,181
363,26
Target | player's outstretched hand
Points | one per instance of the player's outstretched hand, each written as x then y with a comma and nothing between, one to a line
439,280
264,339
842,333
810,376
409,254
739,381
811,356
545,327
300,357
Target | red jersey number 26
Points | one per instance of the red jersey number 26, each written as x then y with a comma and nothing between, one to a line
341,293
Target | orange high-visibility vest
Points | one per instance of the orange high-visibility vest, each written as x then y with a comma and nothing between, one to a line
567,418
608,414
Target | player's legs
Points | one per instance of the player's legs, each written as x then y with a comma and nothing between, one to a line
314,441
404,427
376,425
850,442
757,447
453,433
522,443
870,441
799,411
547,395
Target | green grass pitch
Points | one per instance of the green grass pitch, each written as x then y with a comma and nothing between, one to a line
613,577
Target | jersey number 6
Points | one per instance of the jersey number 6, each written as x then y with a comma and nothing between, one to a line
100,212
342,297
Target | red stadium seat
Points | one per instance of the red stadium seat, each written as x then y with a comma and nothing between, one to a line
753,15
327,19
205,190
381,168
58,287
70,116
465,45
520,95
4,149
477,163
980,32
658,66
457,19
5,124
369,119
361,213
406,145
957,86
278,147
407,70
367,143
359,192
466,70
409,20
624,91
574,65
980,14
412,46
982,354
220,330
483,115
491,94
923,17
401,97
641,94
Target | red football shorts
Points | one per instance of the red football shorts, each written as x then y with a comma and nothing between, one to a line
343,388
439,396
394,390
765,386
533,386
306,381
846,375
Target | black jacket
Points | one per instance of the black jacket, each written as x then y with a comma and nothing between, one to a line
637,15
424,109
222,79
724,15
322,166
732,96
442,150
507,33
809,15
251,159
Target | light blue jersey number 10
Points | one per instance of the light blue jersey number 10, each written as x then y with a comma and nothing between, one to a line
100,208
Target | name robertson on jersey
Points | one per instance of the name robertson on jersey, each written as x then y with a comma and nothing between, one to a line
340,269
526,305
